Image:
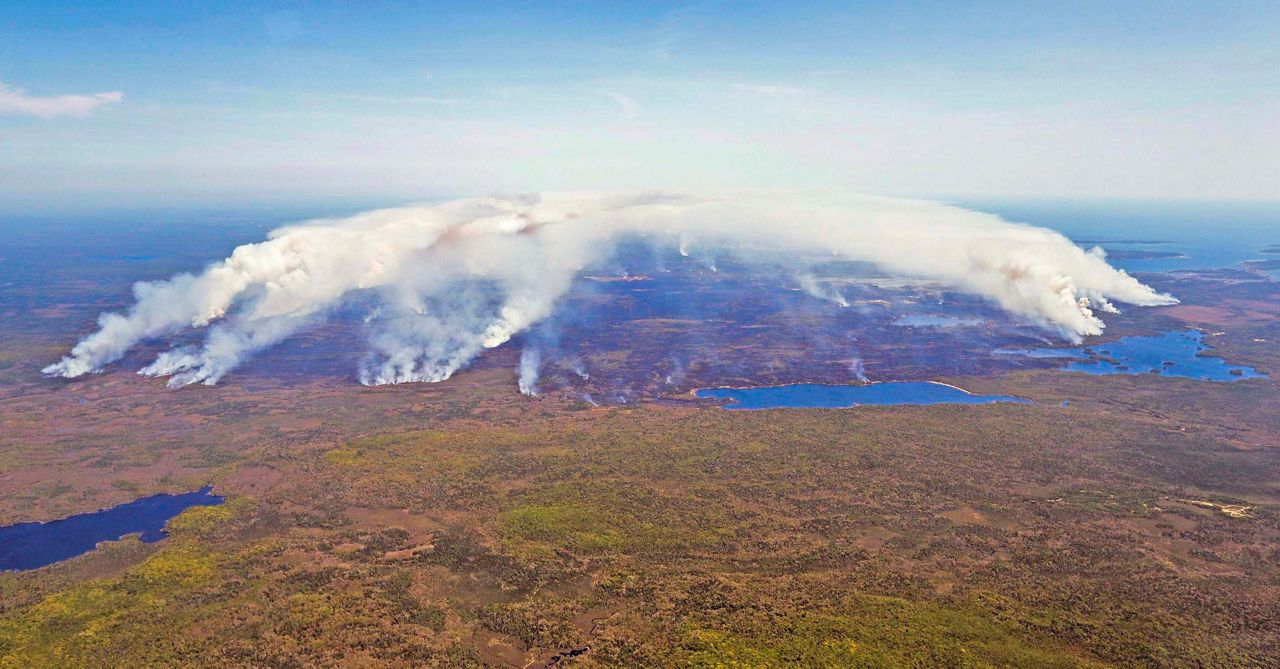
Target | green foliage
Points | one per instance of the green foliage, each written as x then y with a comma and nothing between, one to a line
534,625
574,525
843,642
200,521
80,627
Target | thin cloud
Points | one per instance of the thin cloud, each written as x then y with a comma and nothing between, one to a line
509,92
773,90
680,26
220,87
19,102
628,108
411,100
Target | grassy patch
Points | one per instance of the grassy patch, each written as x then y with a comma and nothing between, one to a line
577,526
871,632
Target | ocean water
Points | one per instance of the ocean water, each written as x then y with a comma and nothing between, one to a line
1205,234
33,545
820,396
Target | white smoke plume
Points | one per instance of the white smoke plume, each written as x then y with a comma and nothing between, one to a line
226,346
857,370
530,364
456,278
823,291
677,373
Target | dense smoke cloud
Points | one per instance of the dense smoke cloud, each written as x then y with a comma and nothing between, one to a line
454,279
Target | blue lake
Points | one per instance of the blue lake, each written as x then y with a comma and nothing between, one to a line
1170,354
33,545
819,396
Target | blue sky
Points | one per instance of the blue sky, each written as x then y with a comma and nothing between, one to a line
138,103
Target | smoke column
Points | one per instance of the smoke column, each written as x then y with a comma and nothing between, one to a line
810,285
456,278
530,362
